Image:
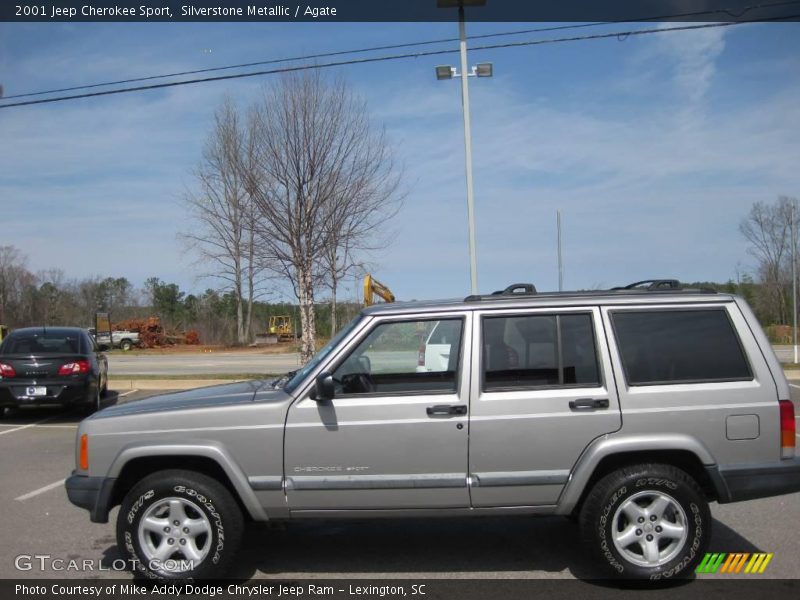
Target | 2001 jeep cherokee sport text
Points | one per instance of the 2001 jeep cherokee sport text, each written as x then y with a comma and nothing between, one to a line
629,409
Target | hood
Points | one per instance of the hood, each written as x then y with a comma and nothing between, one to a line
215,395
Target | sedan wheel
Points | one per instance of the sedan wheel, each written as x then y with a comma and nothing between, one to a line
94,404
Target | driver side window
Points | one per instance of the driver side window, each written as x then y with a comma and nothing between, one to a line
403,357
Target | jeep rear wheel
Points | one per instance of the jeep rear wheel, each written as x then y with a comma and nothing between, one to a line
179,525
647,521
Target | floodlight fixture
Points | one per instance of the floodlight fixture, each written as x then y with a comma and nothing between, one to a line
483,69
445,72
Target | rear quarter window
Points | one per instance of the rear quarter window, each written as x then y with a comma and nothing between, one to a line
679,346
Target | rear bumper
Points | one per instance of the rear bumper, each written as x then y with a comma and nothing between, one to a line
91,493
13,393
737,483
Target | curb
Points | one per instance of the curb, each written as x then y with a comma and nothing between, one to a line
165,384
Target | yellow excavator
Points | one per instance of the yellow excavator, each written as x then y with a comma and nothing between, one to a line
372,288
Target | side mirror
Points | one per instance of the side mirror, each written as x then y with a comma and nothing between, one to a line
103,347
323,388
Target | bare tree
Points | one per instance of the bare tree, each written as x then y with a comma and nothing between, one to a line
317,166
225,214
768,229
14,278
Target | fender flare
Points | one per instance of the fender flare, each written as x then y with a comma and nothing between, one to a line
606,446
209,450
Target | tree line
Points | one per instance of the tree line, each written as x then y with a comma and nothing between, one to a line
50,297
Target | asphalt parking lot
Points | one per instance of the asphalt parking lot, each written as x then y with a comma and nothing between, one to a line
37,446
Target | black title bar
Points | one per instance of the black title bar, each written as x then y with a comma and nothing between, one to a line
399,10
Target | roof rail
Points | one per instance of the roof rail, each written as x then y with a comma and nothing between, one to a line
514,290
662,285
526,290
652,284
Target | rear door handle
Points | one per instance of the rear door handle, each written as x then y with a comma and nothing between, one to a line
447,409
588,403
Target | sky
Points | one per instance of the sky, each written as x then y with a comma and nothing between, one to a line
653,148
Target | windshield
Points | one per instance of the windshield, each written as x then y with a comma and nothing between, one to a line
301,373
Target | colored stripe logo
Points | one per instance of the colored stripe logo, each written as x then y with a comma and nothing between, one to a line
735,562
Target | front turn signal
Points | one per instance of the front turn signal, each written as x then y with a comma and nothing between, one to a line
83,453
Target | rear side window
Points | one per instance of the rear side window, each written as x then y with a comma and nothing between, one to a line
532,351
679,346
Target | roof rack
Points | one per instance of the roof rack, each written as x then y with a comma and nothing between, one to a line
652,284
515,290
525,290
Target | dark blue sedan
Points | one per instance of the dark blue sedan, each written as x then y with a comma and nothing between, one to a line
52,365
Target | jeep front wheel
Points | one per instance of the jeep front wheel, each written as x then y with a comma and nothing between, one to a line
647,521
179,525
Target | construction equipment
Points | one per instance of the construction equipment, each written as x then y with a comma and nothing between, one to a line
372,288
280,326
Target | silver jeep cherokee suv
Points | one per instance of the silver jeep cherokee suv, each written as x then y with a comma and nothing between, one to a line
629,409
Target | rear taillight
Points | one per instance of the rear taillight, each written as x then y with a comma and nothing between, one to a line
73,368
788,429
7,370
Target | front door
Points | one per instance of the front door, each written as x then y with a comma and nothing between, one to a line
395,435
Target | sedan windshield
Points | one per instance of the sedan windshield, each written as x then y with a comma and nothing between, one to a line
297,376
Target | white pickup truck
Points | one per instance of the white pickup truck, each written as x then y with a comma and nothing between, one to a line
119,339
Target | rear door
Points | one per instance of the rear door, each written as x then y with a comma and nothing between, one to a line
543,390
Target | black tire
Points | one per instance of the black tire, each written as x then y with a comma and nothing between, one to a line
126,345
676,539
203,499
93,402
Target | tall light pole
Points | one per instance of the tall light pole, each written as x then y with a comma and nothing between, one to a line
560,259
794,277
446,72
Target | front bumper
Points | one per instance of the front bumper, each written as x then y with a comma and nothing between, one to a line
747,482
91,493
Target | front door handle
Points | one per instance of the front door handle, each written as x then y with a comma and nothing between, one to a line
447,409
588,403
